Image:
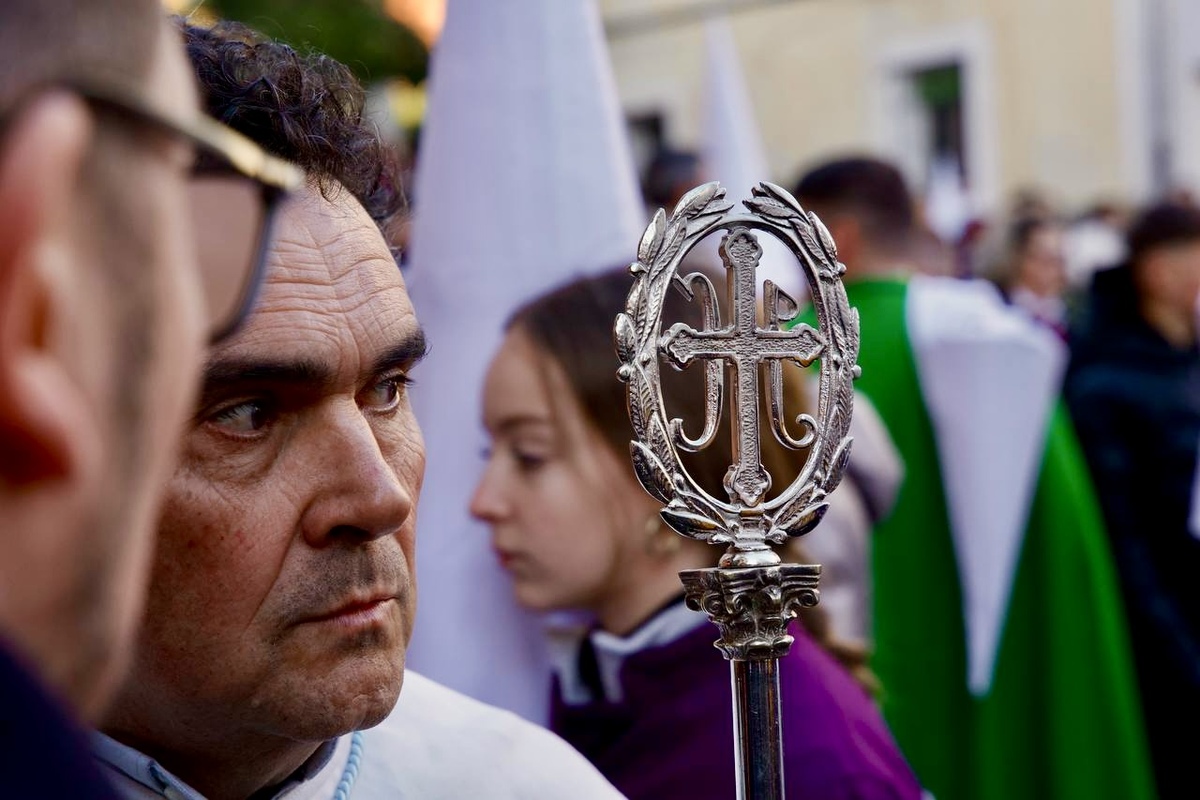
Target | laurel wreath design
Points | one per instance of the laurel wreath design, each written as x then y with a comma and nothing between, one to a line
637,332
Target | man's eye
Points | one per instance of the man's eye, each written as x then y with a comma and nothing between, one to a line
243,418
385,395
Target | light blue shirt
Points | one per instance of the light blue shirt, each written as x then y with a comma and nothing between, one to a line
137,775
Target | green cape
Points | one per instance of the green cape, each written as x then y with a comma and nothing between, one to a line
1062,718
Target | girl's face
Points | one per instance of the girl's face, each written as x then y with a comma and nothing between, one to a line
1043,268
563,509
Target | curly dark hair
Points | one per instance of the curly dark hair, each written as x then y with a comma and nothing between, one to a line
305,107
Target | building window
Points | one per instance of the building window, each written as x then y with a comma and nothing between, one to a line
939,92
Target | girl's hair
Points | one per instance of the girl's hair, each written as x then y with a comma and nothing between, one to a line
573,325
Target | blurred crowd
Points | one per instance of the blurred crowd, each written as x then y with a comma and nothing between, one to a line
1114,290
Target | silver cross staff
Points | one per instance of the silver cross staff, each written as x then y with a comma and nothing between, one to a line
751,595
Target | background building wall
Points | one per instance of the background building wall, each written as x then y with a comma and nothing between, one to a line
1047,86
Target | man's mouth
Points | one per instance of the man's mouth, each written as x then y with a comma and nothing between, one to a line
357,611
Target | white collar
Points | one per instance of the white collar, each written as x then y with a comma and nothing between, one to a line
611,651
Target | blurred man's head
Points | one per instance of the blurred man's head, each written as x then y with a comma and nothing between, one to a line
102,322
669,176
282,593
868,209
1164,257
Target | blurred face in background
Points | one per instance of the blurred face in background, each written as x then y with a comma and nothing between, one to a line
1042,265
173,349
564,510
111,335
1171,275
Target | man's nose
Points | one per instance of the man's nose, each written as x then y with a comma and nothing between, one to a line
358,489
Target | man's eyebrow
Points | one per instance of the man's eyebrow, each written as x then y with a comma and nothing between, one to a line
224,373
403,355
233,371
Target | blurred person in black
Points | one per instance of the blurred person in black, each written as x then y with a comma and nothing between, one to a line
104,311
1133,388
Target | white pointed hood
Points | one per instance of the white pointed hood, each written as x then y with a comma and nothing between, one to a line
524,179
732,149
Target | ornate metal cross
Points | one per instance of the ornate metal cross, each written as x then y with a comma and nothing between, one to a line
751,596
746,346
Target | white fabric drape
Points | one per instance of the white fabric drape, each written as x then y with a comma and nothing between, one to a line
990,378
524,179
732,150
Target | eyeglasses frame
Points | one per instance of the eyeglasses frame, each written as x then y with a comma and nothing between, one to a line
276,177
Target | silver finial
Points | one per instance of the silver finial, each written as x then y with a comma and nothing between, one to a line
751,596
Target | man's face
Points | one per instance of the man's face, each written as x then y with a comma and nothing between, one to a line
140,216
282,594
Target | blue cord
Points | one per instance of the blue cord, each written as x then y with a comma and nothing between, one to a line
351,772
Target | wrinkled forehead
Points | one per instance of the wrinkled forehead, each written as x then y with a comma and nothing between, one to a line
332,289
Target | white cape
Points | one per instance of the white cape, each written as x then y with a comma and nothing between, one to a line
435,745
990,377
441,745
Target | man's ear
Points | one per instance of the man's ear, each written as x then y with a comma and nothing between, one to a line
41,156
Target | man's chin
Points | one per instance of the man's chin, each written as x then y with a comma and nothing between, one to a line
378,711
352,697
366,713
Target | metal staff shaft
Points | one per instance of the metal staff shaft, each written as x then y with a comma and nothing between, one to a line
757,729
752,607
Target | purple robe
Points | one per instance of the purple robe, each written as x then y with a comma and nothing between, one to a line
671,736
